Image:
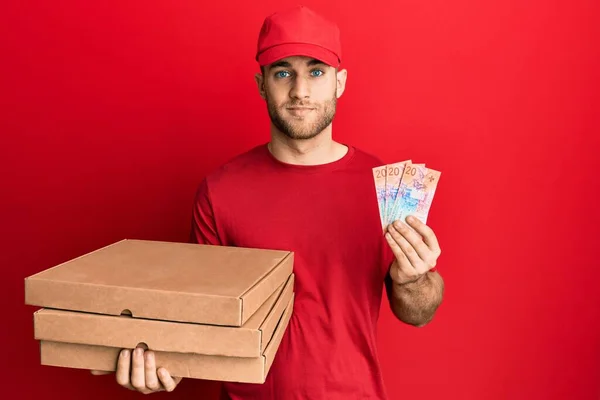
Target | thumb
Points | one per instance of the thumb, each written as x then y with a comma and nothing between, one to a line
97,372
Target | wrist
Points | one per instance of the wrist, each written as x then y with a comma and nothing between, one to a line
414,283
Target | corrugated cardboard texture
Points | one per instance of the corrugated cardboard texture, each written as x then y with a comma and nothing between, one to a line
181,282
220,368
249,340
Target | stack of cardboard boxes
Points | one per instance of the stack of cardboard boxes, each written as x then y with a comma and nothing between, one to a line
208,312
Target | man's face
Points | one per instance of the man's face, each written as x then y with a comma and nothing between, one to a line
301,95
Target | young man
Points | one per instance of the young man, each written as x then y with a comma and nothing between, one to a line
306,193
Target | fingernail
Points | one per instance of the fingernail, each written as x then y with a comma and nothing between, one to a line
410,219
124,353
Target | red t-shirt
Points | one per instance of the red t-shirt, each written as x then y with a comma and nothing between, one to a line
328,216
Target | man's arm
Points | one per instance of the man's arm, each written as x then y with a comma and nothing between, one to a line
203,227
414,288
415,303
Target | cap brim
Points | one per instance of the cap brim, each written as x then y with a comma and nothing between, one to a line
281,51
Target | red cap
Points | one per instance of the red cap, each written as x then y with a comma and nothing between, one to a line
298,31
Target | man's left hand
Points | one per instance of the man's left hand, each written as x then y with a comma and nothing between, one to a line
416,252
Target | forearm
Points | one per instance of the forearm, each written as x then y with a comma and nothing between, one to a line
416,303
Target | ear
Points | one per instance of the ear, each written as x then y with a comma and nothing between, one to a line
341,77
260,83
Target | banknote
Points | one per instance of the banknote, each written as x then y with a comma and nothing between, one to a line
379,179
404,189
392,185
416,192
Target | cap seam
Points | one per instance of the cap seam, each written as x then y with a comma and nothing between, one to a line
287,43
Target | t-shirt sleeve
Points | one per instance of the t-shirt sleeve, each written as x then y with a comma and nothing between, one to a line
203,229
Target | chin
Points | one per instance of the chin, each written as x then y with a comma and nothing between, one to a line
301,135
300,128
295,129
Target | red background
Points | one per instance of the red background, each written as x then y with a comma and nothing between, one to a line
111,113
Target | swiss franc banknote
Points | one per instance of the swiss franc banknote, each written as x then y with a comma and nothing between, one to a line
393,176
410,192
391,204
416,192
379,178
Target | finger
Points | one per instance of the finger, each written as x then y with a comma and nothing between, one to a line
411,254
97,372
403,262
427,233
401,271
401,274
150,372
415,240
138,379
168,382
124,368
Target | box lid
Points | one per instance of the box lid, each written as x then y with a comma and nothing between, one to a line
172,281
249,340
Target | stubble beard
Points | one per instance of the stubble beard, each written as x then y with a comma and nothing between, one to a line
300,128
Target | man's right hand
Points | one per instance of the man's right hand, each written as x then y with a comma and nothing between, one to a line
137,371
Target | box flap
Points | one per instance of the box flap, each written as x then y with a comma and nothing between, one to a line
164,280
253,298
273,345
270,322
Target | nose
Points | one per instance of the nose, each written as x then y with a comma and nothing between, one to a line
300,88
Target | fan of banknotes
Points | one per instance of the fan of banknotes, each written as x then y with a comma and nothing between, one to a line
404,189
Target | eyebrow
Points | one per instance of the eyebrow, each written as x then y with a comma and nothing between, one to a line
286,64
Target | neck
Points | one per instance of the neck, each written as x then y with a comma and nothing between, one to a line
321,149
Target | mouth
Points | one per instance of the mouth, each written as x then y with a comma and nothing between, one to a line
299,111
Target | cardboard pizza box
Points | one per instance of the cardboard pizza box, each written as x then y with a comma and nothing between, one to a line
249,340
179,282
187,365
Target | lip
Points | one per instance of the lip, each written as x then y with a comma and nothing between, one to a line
299,110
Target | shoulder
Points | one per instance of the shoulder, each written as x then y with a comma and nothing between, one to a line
365,159
368,157
245,161
239,167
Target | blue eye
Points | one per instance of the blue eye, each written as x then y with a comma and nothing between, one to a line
313,73
280,74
